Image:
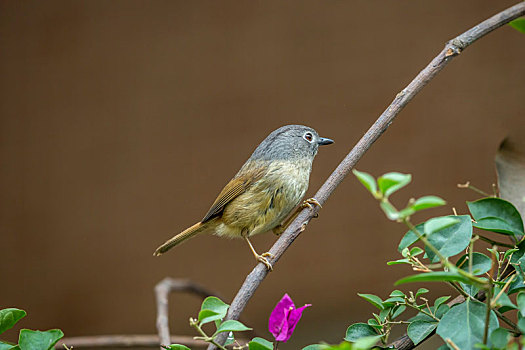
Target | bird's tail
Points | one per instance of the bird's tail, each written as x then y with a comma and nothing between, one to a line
181,237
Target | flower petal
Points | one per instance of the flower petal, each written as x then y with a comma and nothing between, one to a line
278,318
293,318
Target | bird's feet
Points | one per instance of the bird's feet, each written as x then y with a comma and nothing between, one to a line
263,258
311,203
307,203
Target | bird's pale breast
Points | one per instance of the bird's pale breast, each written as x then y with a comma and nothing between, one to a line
268,201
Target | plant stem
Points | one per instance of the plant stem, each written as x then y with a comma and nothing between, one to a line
470,253
475,189
442,258
422,311
459,290
487,315
511,278
508,322
205,336
490,293
424,240
492,242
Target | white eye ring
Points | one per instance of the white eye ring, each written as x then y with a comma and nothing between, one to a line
308,137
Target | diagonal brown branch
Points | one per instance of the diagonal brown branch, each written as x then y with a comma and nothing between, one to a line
453,48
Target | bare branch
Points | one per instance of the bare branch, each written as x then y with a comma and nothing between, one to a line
162,291
453,48
125,341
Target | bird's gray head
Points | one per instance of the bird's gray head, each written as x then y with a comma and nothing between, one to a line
290,142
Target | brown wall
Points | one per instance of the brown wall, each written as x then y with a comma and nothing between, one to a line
120,121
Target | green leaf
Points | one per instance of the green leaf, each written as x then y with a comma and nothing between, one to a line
427,202
406,212
451,240
516,285
437,276
441,310
384,314
410,238
390,212
392,301
507,215
177,347
397,262
421,291
440,301
6,346
391,182
520,300
397,310
231,326
418,330
372,322
439,223
510,253
480,263
494,225
38,340
503,302
9,317
364,343
499,338
359,330
397,293
260,344
212,309
469,289
415,251
367,180
521,324
316,347
206,316
215,304
518,24
373,299
464,324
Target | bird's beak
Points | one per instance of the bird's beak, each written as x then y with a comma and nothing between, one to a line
324,141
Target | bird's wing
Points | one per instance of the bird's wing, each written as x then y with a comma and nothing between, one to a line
237,186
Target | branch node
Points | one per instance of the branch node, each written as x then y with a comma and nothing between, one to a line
452,51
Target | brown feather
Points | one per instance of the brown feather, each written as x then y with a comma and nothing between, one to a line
246,177
181,237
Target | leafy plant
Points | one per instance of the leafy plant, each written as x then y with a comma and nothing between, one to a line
28,339
282,323
428,248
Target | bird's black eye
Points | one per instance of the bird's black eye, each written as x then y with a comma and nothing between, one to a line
308,137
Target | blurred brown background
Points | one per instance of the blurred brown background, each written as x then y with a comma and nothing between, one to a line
122,120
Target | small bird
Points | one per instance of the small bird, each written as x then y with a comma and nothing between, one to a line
264,192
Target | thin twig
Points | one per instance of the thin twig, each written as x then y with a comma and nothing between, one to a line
451,50
502,317
125,341
487,314
475,189
451,343
500,244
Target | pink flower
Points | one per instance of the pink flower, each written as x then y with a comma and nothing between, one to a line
284,318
